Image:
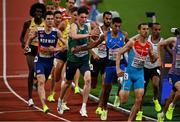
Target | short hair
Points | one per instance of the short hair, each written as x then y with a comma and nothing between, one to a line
116,20
39,6
74,9
57,12
83,9
143,23
156,23
48,13
107,12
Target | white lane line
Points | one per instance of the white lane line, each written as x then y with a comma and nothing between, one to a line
18,111
16,76
5,92
5,64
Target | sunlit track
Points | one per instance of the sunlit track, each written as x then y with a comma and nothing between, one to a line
5,64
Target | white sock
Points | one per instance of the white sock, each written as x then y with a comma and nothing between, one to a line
162,114
172,104
83,106
59,100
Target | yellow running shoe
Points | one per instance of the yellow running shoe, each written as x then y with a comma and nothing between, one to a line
76,90
45,109
139,116
169,113
51,97
157,105
160,118
104,114
116,101
98,110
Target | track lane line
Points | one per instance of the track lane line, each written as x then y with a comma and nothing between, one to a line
5,64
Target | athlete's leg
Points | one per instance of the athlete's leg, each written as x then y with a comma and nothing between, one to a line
138,98
31,65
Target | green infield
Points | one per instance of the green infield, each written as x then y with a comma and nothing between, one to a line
133,12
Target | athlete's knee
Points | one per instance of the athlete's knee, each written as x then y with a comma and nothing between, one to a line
138,101
123,97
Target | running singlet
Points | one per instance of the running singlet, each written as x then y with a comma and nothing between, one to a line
65,33
113,45
82,55
46,40
138,54
101,49
148,63
32,26
175,69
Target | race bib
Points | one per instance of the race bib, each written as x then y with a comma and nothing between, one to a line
138,62
126,77
177,63
81,53
102,49
113,53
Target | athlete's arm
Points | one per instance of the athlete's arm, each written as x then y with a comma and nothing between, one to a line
31,35
90,45
74,34
121,51
23,33
166,42
152,56
64,47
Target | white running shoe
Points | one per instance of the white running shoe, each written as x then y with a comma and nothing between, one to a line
65,107
60,107
30,102
83,112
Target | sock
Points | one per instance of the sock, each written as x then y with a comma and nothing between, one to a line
172,104
83,106
162,114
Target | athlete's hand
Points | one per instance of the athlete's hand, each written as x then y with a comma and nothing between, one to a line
120,73
26,49
74,50
96,57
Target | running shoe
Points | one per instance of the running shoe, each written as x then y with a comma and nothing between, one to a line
45,109
76,90
60,107
139,116
104,115
116,101
30,102
65,107
169,113
98,110
50,77
157,105
83,112
160,118
51,97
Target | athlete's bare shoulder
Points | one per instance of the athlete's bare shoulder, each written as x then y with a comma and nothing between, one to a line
27,23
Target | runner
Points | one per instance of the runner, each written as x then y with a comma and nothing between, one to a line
47,37
37,12
174,76
79,35
139,48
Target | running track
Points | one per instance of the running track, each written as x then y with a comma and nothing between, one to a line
13,94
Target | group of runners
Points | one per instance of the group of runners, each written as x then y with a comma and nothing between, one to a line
62,43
